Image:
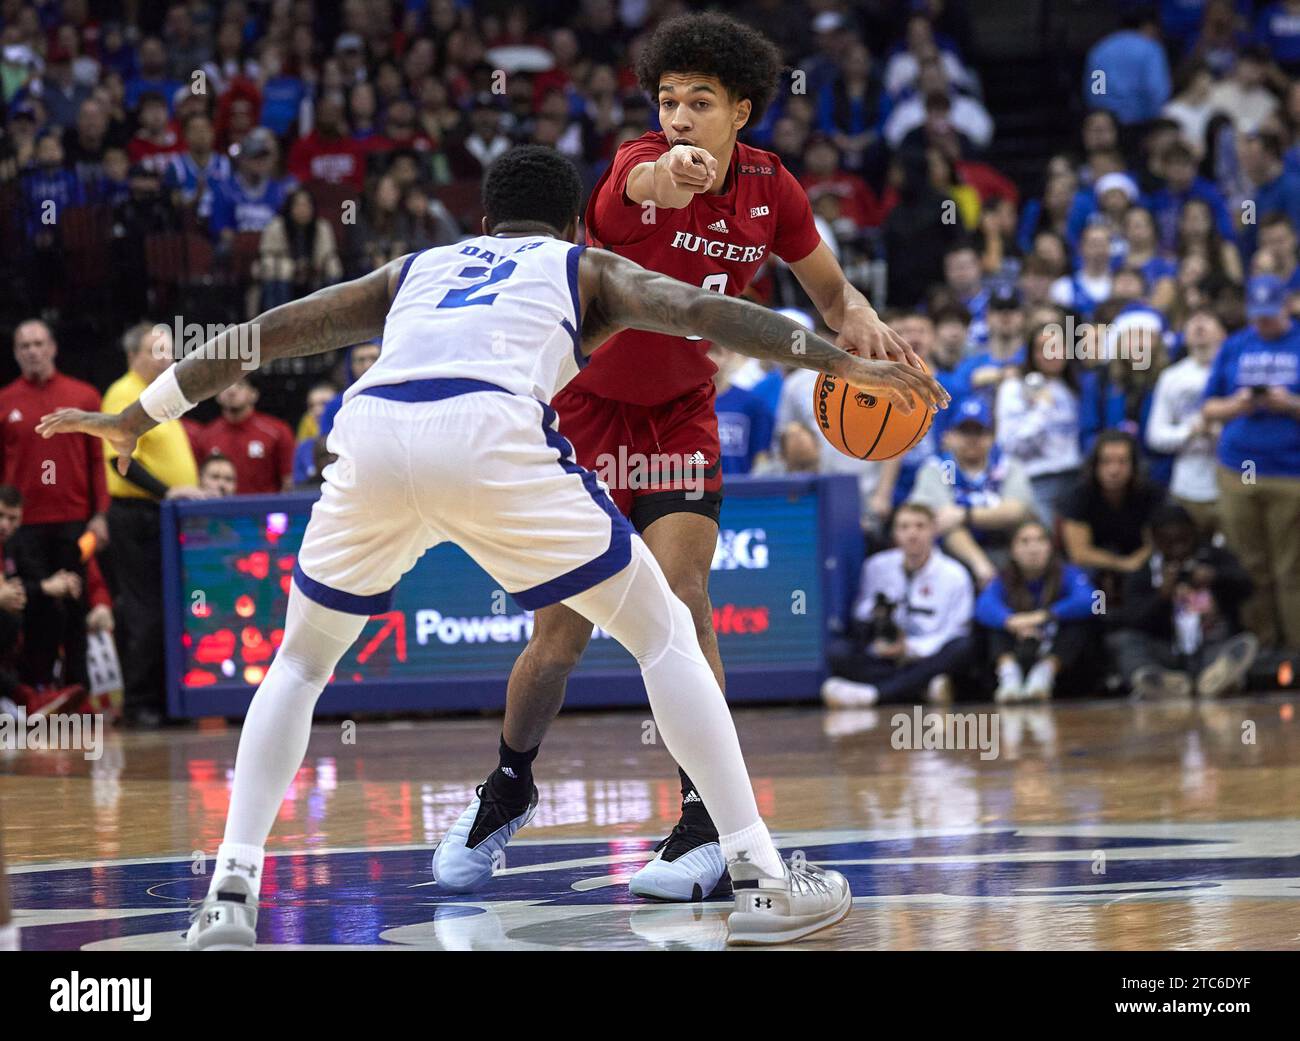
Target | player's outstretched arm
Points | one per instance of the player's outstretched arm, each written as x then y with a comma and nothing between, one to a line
621,295
330,318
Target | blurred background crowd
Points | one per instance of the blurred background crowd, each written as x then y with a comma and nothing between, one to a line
1083,216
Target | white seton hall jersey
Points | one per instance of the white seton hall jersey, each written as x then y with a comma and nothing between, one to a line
502,310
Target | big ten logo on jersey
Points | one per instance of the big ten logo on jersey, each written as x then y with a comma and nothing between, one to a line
744,548
759,211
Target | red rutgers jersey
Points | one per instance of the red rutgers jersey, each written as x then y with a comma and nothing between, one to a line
718,242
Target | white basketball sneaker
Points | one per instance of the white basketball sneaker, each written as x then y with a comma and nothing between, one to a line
779,910
472,850
226,920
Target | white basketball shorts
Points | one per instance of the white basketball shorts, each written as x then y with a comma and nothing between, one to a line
463,461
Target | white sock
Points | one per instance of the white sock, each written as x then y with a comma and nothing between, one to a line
1042,675
239,860
274,739
9,937
842,693
639,610
755,845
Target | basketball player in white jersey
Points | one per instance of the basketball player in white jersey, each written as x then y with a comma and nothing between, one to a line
449,437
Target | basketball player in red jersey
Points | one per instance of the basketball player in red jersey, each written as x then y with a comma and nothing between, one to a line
689,201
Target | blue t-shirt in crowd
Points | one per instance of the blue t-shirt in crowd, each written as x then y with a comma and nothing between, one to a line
47,194
1073,603
1280,195
1270,439
744,428
1136,83
1166,204
982,489
281,98
235,207
913,459
768,389
959,387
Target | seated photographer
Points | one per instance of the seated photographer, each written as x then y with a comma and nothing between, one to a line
977,494
1039,614
913,614
1181,616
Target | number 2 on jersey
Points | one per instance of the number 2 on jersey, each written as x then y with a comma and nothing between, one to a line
465,297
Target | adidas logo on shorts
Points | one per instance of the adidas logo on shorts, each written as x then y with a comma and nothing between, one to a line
698,459
718,225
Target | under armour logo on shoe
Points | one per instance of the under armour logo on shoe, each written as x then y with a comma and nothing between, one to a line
763,901
718,225
248,869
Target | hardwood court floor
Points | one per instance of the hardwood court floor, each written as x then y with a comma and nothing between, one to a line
1096,826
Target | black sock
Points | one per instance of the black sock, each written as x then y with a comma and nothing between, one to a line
693,811
514,773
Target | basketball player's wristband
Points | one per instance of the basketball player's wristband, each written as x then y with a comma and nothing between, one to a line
163,399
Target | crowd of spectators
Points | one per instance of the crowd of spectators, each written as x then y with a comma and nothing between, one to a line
1116,333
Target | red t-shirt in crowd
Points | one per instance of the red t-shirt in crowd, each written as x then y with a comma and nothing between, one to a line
153,154
260,446
338,160
857,201
718,242
61,479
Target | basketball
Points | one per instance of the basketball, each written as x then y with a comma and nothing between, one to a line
864,426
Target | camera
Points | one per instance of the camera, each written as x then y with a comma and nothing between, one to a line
880,623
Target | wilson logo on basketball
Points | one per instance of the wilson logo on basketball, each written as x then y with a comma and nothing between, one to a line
825,388
730,620
866,431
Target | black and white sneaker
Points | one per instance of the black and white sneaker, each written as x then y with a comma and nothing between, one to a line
474,848
689,866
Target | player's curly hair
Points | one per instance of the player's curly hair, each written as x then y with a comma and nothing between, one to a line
746,62
532,183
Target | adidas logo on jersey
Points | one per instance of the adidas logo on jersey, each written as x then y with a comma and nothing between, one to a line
718,225
691,796
698,459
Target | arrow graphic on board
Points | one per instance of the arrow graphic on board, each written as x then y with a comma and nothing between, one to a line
395,623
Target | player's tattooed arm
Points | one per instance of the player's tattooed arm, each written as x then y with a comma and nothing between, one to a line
336,316
619,294
330,318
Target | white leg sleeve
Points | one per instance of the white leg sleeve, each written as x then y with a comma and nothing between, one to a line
638,609
276,729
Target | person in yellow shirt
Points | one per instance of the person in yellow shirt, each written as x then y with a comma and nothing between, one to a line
162,467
